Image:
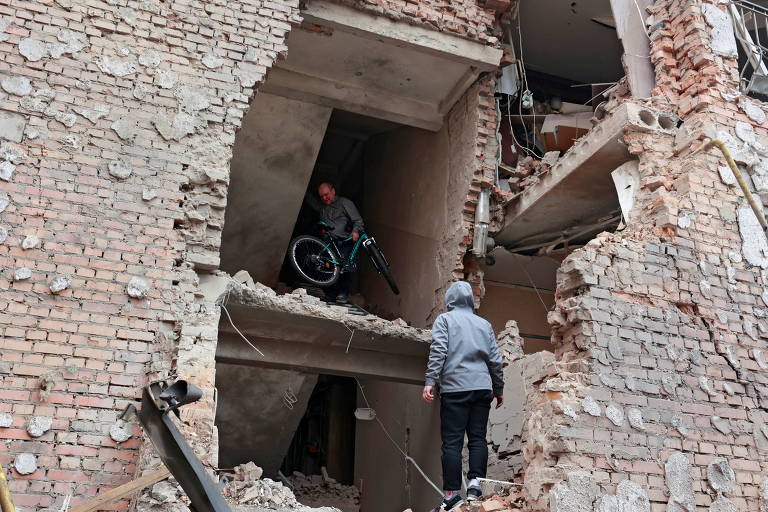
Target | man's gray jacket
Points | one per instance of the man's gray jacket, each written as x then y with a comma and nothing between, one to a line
463,355
343,216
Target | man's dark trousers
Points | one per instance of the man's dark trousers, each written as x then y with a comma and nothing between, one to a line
464,412
341,287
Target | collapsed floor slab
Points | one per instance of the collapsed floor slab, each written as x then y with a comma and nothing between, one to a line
300,332
578,189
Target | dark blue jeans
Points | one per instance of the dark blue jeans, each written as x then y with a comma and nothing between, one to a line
464,412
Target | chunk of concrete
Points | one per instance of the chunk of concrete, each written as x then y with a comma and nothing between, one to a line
6,170
614,413
590,406
12,126
721,424
59,284
22,273
629,497
723,39
721,476
25,463
18,85
120,431
635,418
166,78
39,425
679,480
115,66
578,494
119,169
6,420
3,234
137,288
32,50
723,504
30,242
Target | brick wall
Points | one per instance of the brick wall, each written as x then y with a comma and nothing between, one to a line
120,119
659,394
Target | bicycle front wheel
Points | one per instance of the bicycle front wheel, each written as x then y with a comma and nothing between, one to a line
313,261
382,265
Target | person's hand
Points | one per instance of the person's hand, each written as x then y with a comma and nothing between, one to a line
355,236
499,400
428,394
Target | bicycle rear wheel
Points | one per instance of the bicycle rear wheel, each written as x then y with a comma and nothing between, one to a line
313,261
382,265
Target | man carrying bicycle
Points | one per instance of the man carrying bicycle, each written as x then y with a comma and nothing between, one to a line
340,213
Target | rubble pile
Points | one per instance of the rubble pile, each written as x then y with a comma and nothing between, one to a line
314,490
251,493
529,171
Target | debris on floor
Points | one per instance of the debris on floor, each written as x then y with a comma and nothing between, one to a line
314,491
251,493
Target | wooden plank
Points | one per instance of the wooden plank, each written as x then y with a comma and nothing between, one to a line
630,18
121,491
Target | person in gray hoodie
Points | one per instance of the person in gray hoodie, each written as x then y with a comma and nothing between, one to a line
466,361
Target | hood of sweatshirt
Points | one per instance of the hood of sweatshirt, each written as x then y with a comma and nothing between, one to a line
459,295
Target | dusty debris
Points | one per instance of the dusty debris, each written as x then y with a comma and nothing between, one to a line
253,493
300,303
315,491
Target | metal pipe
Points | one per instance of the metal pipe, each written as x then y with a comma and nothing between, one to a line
741,181
6,503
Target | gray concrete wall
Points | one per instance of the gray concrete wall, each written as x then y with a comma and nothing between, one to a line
380,470
254,423
416,184
273,158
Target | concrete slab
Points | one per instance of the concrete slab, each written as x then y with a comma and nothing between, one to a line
299,332
374,66
579,188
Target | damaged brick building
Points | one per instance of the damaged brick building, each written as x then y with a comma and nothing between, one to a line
557,155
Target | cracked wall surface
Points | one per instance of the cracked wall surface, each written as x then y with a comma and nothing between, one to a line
658,396
117,122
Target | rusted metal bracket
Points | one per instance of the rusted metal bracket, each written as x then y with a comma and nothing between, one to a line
159,399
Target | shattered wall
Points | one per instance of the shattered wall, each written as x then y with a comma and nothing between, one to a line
659,391
118,120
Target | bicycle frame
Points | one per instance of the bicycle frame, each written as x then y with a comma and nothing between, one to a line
336,253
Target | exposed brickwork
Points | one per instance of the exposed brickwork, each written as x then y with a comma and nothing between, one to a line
157,88
91,344
465,18
664,321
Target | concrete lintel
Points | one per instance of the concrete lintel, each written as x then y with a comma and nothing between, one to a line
579,185
295,85
328,359
455,48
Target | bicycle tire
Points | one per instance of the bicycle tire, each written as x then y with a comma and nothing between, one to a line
382,266
304,254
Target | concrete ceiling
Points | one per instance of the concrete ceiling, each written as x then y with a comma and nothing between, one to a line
559,37
377,67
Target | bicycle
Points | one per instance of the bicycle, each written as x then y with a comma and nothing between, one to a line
319,260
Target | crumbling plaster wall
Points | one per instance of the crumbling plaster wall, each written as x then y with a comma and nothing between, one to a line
416,184
659,391
118,121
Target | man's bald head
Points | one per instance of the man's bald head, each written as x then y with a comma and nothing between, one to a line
327,193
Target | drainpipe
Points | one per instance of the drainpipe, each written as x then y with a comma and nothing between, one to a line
482,221
741,181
